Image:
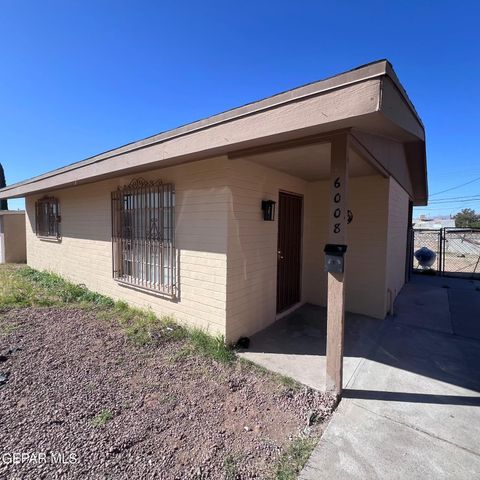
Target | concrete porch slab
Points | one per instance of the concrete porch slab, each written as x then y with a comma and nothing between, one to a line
295,345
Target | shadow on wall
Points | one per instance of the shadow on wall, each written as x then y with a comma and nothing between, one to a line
85,225
199,226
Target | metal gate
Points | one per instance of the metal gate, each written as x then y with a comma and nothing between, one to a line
457,250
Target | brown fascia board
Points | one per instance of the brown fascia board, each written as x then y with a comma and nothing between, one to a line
390,72
358,75
405,161
396,107
417,164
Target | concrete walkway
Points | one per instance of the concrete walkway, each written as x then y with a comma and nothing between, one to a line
411,408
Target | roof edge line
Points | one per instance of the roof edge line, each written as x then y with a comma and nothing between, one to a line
134,147
383,68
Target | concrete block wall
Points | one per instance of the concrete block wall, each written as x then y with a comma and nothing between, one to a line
84,253
227,253
12,237
252,246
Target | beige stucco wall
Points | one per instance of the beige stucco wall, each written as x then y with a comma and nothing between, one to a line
397,238
84,254
12,237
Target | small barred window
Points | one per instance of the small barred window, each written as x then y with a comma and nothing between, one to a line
47,218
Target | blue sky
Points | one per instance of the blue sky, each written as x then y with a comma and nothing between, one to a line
81,77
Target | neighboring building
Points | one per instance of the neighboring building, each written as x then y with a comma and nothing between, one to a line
436,223
177,222
12,237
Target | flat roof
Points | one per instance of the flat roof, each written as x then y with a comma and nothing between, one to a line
362,73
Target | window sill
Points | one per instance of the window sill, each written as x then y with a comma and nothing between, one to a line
150,291
50,239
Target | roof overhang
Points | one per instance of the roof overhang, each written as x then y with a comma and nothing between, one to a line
369,99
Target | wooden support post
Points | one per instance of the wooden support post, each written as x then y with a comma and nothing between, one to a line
336,281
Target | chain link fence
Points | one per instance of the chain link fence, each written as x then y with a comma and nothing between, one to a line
461,252
457,251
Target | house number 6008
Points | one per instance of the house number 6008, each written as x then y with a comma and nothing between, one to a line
337,212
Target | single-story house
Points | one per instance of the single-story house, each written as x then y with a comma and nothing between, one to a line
222,223
12,237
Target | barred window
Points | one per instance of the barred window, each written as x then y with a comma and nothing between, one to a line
143,235
47,218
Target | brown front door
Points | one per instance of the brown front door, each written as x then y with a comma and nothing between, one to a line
289,251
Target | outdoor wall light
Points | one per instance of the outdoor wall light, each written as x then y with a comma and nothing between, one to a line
268,208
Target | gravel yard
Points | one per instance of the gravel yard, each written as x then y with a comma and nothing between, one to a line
75,388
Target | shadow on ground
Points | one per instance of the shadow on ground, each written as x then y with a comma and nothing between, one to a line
434,332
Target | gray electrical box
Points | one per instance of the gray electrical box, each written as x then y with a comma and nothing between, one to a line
334,258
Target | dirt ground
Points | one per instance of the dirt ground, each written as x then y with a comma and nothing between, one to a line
78,400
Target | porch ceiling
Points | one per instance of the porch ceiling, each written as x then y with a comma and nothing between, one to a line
310,162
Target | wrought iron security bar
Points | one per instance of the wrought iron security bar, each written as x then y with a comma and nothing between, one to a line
47,217
143,236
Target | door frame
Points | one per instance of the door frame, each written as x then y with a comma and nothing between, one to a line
289,309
